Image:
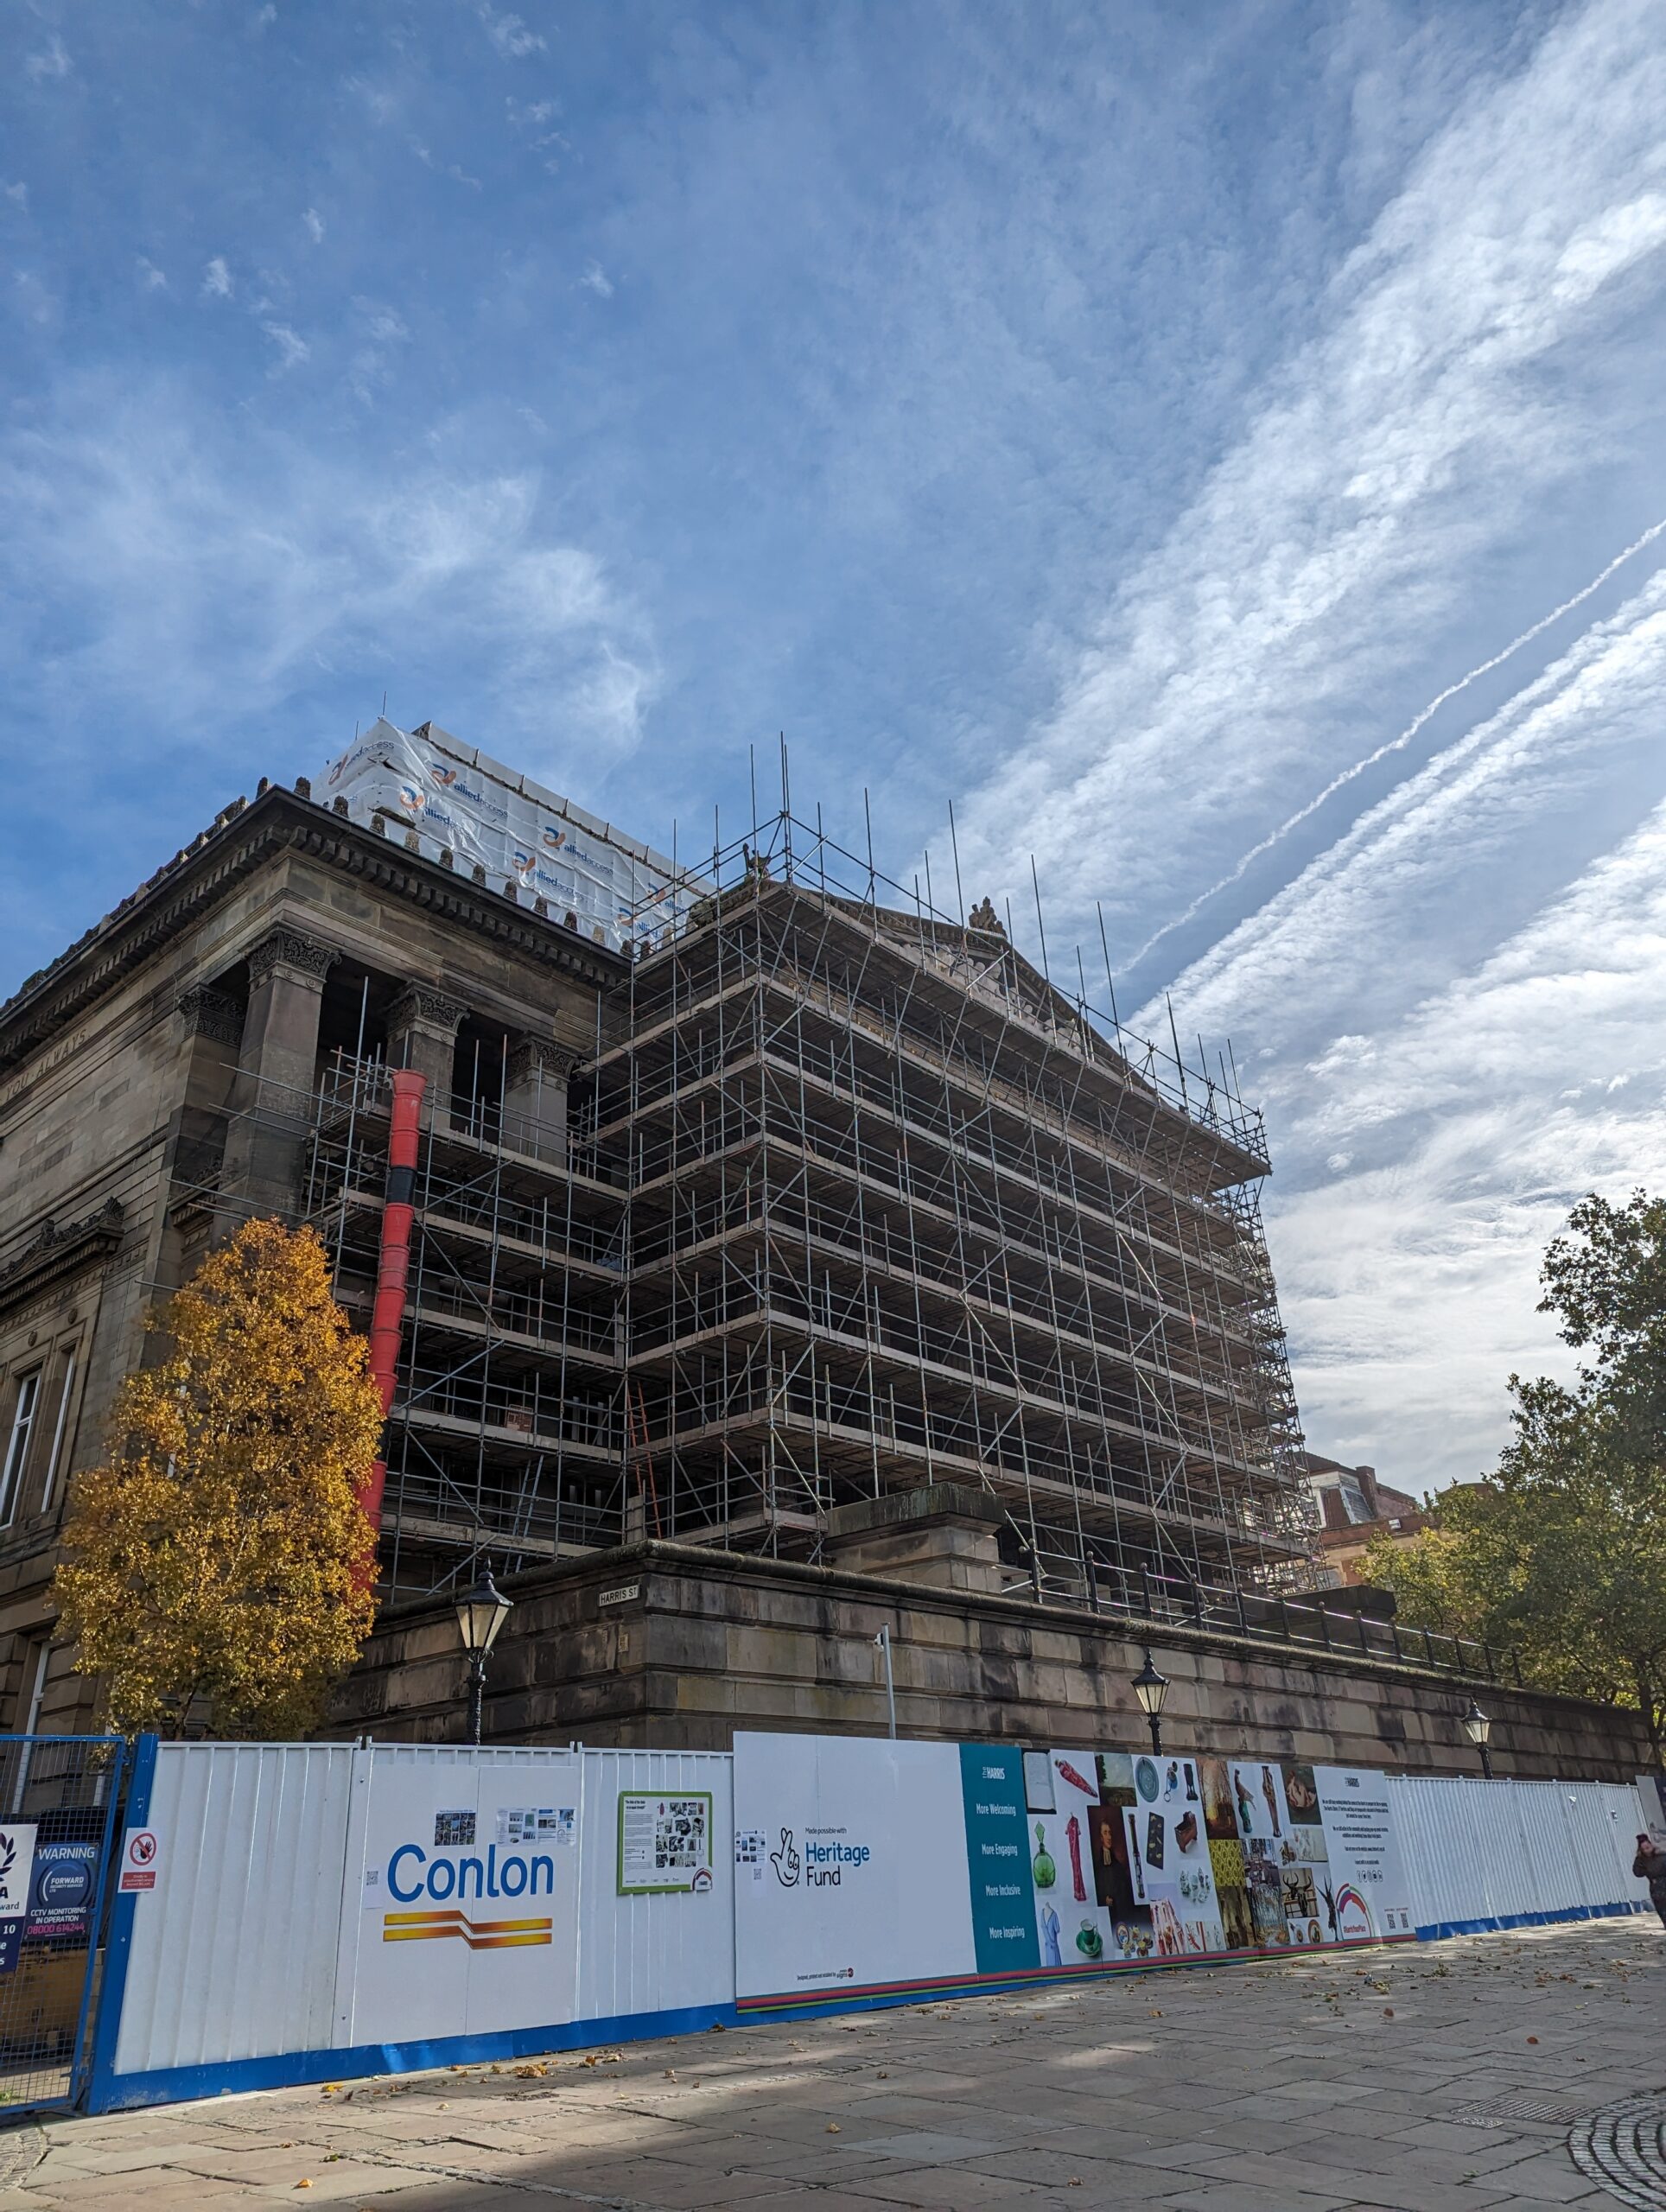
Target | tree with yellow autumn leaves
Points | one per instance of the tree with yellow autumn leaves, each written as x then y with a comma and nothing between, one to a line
215,1570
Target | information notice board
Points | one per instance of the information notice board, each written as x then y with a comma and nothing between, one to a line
664,1841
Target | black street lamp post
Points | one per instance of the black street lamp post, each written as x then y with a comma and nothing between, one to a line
1151,1689
481,1612
1478,1727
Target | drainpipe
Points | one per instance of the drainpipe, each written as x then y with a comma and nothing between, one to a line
393,1266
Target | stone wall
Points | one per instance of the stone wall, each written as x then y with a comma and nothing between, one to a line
119,1070
663,1645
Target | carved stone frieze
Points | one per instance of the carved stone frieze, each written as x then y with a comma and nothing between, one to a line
531,1057
212,1014
57,1249
419,1008
304,956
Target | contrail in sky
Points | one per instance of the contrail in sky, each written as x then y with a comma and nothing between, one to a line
1395,744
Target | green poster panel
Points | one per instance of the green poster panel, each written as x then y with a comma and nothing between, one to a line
1003,1901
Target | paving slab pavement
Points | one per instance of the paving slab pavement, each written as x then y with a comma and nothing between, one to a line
1427,2078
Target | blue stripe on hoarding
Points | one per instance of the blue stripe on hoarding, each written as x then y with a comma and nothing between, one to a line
96,2095
95,1919
1435,1931
112,2092
290,2070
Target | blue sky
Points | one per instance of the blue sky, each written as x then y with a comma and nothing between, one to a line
1123,422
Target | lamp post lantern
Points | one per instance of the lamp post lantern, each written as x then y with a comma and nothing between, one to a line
481,1612
1478,1727
1151,1689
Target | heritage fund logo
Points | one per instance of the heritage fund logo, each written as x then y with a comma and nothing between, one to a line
822,1863
785,1862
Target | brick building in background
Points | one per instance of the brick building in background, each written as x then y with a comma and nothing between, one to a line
1354,1509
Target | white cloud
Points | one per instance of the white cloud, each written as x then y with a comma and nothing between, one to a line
1355,769
596,279
379,102
1359,926
52,61
454,170
151,278
1230,676
34,301
1412,1284
292,349
17,194
314,224
216,570
508,33
1459,1104
1435,1006
217,279
384,327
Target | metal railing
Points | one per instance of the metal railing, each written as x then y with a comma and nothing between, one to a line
1305,1619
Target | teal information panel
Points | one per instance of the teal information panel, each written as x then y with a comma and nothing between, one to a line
1004,1914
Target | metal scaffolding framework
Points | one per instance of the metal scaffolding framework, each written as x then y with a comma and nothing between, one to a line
507,1427
902,1211
851,1198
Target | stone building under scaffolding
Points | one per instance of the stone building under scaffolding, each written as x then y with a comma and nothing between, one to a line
813,1228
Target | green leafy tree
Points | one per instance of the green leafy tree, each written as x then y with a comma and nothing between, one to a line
215,1567
1561,1551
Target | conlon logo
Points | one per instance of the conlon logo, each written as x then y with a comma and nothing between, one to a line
412,1875
416,1877
478,1935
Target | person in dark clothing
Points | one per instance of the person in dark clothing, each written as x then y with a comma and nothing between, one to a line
1650,1864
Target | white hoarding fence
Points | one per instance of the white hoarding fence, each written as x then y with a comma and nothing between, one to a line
234,1936
869,1872
302,1911
657,1938
315,1908
1506,1855
462,1894
851,1868
458,801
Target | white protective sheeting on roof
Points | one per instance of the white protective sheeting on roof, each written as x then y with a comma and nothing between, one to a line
616,889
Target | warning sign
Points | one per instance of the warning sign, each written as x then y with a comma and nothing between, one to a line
140,1858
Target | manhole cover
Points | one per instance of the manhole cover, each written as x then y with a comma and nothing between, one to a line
1623,2147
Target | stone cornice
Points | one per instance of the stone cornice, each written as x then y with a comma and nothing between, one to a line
248,836
59,1251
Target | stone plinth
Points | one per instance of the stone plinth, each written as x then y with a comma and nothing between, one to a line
665,1645
942,1537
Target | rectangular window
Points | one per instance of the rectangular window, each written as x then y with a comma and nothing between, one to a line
32,1691
59,1432
23,1428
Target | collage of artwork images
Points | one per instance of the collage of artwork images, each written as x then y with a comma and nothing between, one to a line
1139,1856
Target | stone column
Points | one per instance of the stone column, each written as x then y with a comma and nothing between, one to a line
277,1063
535,1097
423,1027
212,1022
